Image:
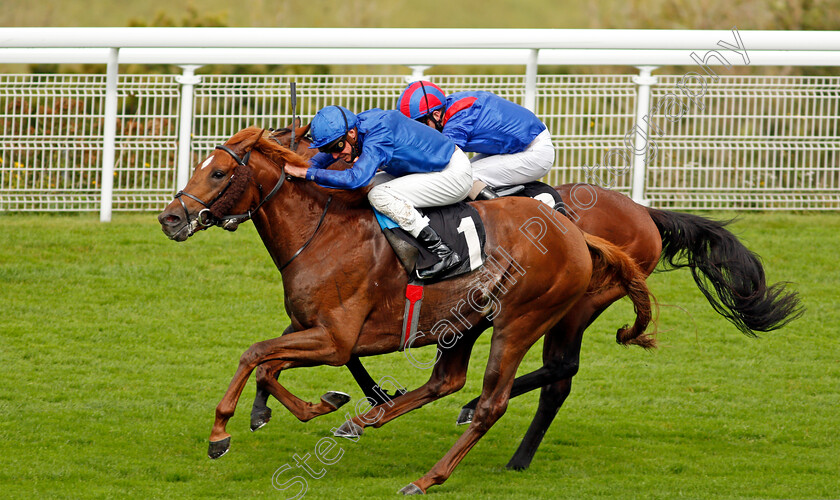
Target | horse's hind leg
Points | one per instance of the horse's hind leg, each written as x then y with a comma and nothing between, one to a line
561,352
448,376
561,359
508,347
552,397
546,374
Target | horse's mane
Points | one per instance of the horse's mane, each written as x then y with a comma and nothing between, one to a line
282,155
277,153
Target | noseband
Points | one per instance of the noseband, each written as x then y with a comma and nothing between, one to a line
230,222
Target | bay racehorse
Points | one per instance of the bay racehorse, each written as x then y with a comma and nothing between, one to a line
343,285
729,275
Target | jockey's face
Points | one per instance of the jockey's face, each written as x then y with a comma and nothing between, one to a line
346,153
430,122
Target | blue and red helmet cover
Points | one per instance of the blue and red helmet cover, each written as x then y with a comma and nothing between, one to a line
420,98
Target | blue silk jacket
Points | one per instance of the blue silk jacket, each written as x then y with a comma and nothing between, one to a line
390,141
482,122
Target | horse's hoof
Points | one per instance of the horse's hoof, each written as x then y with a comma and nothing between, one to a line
515,465
218,448
411,489
260,418
465,416
348,430
335,399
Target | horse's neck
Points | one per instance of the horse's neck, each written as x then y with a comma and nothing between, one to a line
284,222
291,219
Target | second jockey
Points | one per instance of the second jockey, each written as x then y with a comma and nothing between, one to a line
513,145
421,169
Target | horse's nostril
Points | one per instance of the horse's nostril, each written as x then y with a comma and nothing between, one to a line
169,219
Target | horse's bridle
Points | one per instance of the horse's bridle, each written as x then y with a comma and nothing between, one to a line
212,220
232,221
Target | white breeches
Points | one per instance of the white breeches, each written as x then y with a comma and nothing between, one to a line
518,168
399,197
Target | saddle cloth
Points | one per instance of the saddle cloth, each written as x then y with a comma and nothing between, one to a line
458,225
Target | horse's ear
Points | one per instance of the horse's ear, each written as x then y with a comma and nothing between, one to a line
301,131
250,142
296,123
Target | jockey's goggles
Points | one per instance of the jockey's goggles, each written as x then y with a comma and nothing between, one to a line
336,146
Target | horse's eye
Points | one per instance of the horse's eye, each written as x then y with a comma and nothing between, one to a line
218,174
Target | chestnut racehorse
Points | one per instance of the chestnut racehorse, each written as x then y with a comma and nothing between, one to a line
343,287
728,274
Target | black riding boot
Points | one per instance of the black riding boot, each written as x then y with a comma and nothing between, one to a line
448,259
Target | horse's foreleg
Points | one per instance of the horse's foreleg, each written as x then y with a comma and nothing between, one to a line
370,388
268,385
313,346
260,412
303,410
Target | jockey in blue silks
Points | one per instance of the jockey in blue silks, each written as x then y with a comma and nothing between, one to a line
513,145
421,169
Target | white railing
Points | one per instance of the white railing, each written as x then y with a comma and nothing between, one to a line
408,38
623,103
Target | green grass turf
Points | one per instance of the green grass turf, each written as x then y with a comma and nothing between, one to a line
117,344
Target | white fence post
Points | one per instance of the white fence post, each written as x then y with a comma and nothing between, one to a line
110,136
417,73
531,80
187,79
645,80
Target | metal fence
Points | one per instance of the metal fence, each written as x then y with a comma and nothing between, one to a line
51,142
759,143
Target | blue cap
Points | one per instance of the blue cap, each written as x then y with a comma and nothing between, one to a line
329,124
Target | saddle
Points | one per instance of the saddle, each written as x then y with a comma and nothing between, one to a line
537,190
458,225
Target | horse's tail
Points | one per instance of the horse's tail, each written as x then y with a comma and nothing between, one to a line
611,266
719,262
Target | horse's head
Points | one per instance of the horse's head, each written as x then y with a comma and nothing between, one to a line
223,190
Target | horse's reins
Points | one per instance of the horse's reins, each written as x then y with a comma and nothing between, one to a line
240,218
